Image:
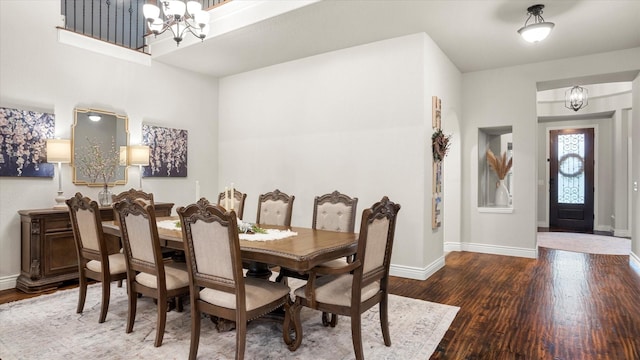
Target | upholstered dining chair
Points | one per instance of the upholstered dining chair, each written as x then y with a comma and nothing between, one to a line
332,212
218,287
238,198
145,197
275,208
147,272
356,287
94,261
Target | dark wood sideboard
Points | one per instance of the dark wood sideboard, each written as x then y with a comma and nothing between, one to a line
48,249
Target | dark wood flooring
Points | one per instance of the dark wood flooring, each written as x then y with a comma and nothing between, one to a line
562,306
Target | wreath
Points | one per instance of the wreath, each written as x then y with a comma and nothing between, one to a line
439,145
565,158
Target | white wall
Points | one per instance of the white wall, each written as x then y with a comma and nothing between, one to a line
356,120
39,73
507,96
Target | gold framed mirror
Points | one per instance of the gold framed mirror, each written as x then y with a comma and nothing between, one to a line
99,141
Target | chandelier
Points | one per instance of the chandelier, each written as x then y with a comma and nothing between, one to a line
539,29
179,17
576,98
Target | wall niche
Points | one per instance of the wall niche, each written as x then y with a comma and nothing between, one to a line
495,171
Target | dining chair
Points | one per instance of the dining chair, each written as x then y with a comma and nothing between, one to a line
356,287
94,260
333,212
147,272
218,287
238,198
145,197
275,208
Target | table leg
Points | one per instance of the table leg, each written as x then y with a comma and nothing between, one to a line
258,270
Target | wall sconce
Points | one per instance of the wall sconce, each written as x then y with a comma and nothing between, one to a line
576,98
139,155
59,151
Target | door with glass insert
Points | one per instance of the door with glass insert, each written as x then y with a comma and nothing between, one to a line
571,183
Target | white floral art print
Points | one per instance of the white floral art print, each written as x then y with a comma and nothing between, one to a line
23,139
167,151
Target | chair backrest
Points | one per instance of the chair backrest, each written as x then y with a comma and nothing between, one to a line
275,208
212,247
87,228
238,201
140,238
146,198
375,241
334,212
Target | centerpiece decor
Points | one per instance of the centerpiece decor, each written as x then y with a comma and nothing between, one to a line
501,167
99,166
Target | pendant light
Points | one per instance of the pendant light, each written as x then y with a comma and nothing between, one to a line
539,29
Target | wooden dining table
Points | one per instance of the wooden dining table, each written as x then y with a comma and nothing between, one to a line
300,252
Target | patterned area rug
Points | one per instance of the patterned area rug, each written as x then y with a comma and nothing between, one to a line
47,327
585,243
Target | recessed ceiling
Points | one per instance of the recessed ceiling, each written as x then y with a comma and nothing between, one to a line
475,35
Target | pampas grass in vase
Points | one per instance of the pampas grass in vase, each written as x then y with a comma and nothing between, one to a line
501,167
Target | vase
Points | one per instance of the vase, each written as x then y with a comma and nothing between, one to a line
104,196
502,194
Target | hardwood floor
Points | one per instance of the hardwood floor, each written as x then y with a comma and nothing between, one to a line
563,306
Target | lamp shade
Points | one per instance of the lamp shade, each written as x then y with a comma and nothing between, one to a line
139,155
536,32
58,151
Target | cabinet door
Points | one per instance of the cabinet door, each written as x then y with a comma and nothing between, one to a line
59,255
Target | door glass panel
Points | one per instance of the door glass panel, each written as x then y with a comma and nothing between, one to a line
570,175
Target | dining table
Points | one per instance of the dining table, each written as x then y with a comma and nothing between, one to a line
303,250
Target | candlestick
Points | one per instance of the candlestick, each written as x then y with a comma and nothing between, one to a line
233,197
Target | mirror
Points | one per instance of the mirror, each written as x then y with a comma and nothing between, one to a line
99,141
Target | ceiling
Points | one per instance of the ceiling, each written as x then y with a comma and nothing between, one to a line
475,35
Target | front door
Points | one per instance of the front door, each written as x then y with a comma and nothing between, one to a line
571,179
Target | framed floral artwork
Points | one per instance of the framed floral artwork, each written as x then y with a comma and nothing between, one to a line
167,151
23,139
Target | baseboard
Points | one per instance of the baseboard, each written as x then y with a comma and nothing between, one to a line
416,273
8,282
606,228
500,250
634,260
452,246
622,233
543,224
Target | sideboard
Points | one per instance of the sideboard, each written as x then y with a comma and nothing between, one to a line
49,254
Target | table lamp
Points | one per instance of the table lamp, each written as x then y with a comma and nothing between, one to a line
59,151
139,155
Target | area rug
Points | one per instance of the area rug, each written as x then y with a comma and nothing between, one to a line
585,243
47,327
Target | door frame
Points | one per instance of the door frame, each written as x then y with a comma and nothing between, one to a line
596,159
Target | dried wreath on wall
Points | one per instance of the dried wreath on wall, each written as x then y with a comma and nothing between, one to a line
440,145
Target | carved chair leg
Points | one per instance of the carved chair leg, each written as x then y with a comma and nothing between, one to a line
356,337
195,331
82,295
162,320
384,321
106,292
131,314
326,321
